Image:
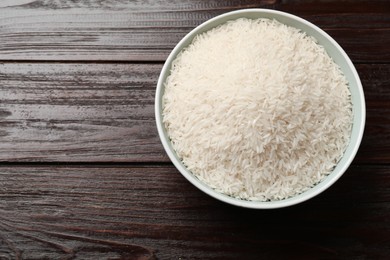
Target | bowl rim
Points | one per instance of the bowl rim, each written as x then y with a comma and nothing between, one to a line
306,195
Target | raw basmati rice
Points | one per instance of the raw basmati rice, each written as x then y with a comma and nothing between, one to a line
257,110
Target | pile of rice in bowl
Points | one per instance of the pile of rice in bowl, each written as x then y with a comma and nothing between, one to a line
257,110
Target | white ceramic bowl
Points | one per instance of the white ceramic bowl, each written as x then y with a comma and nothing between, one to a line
333,49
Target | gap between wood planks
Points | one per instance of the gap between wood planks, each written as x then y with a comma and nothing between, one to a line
88,164
128,164
91,61
146,62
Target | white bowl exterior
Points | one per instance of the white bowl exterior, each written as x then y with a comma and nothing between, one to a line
337,54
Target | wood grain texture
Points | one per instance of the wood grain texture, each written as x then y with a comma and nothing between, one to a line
375,147
83,174
105,113
153,212
148,30
103,30
78,112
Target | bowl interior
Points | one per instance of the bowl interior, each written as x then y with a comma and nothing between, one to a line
337,54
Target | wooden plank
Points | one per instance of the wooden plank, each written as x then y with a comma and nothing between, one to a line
375,147
103,30
148,30
78,112
105,113
154,213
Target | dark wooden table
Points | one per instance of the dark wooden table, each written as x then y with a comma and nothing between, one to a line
83,174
